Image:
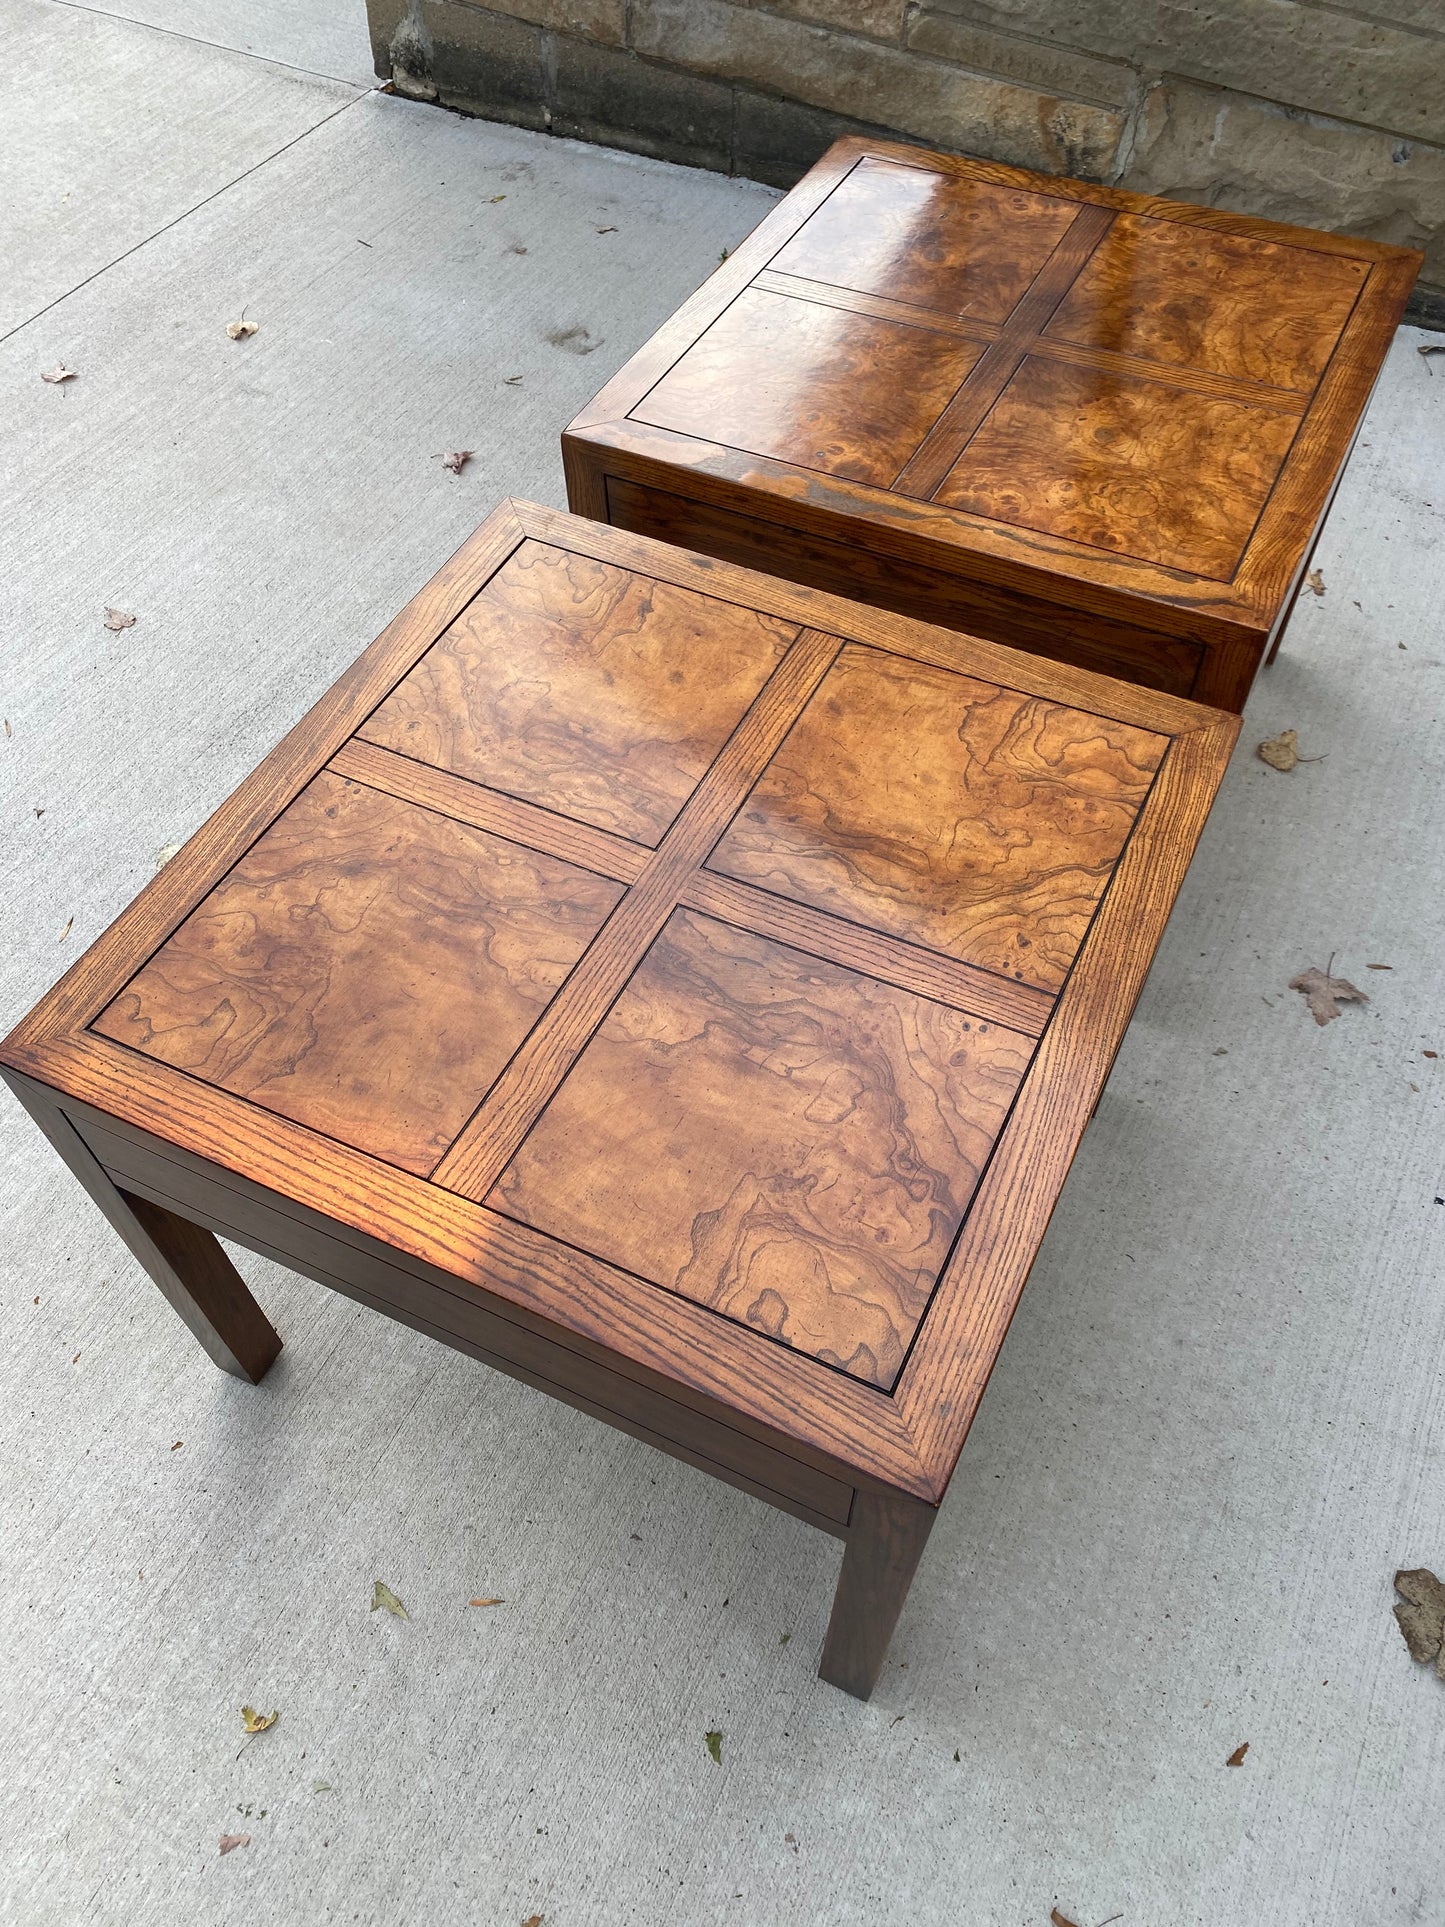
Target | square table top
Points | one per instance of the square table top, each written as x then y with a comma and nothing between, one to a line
707,966
1080,388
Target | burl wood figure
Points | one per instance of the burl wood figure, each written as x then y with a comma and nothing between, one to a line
1098,426
682,990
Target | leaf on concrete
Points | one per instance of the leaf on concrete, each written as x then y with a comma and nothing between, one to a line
117,619
255,1722
1058,1919
457,460
1431,348
1421,1615
607,230
66,931
486,1602
8,730
230,1840
533,1920
1280,752
714,1745
510,381
1324,994
58,373
1236,1758
238,330
1379,966
384,1596
498,197
1316,580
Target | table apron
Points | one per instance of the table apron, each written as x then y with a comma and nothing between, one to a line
523,1354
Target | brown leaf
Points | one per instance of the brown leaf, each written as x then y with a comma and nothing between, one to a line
1280,752
1316,580
238,330
178,1444
58,373
1429,1053
1379,966
66,931
533,1920
1236,1758
1061,1920
230,1840
253,1721
456,460
486,1602
117,619
1421,1615
1325,994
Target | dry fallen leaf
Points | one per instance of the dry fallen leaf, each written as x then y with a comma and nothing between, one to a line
238,330
229,1840
1421,1616
1316,580
253,1721
117,619
533,1920
1431,348
714,1745
607,230
1379,966
1324,993
1060,1920
66,931
456,460
384,1596
8,730
178,1444
486,1602
1236,1758
1280,752
1429,1053
58,373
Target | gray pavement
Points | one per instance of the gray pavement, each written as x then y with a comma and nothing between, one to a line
1216,1427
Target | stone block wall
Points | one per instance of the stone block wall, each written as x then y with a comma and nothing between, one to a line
1328,115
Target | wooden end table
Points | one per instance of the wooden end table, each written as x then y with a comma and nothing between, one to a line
1087,423
682,990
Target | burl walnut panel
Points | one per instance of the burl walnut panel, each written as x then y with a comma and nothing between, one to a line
1082,453
967,248
1087,423
824,1218
873,388
947,811
367,969
680,989
584,688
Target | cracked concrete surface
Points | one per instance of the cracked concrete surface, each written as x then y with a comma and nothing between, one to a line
1216,1428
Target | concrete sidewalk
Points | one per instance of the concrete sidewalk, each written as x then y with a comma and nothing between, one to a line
1217,1425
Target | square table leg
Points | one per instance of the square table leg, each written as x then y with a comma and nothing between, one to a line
188,1264
886,1536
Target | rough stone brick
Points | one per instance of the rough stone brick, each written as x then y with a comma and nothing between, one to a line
483,63
879,19
885,86
1197,144
1051,68
777,141
600,20
613,97
1305,56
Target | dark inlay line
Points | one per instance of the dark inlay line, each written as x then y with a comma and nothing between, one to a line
853,301
840,940
469,802
948,437
484,1147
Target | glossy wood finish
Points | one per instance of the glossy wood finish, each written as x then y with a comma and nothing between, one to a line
298,983
1088,423
751,1164
789,1143
584,689
953,813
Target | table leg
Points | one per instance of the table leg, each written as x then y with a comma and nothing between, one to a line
886,1536
188,1264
